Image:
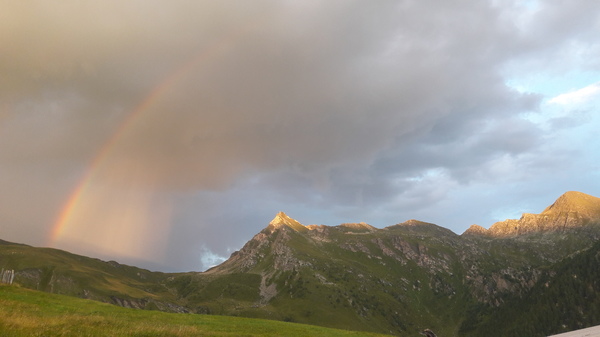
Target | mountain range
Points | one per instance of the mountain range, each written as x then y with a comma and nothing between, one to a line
535,276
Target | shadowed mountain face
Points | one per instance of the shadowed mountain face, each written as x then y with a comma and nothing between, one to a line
399,279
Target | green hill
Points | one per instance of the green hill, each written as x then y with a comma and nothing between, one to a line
60,272
26,312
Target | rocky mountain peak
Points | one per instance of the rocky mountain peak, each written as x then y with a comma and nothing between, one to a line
571,210
282,219
572,201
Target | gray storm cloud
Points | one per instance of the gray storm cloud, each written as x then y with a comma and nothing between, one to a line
351,101
308,86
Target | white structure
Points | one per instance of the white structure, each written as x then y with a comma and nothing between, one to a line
589,332
7,276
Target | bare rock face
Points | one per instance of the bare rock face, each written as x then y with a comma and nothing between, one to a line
572,210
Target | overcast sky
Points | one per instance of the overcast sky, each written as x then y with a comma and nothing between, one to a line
166,134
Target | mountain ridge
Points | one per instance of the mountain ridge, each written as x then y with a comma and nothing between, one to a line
485,263
399,279
572,210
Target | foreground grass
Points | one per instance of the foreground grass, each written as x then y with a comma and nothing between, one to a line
26,312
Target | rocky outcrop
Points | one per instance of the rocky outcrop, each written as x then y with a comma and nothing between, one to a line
495,287
148,304
535,223
267,292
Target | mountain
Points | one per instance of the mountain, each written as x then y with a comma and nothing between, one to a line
399,279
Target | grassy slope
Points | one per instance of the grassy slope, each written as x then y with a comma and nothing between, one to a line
26,312
61,272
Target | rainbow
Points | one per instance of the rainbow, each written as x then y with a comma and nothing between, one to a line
64,220
72,202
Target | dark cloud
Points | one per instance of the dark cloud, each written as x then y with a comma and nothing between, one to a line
337,86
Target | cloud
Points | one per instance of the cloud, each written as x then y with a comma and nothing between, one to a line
578,96
209,259
332,89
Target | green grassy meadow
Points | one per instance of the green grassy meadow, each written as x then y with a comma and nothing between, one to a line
25,312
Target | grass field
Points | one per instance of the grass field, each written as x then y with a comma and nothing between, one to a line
25,312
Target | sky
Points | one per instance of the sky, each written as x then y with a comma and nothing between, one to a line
165,134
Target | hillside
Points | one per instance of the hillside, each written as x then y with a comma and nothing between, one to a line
565,298
61,272
27,313
399,279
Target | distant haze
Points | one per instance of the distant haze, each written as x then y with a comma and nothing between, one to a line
166,134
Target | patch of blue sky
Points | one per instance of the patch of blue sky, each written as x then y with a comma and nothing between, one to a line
563,94
552,85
